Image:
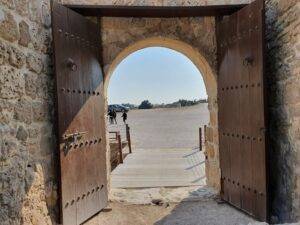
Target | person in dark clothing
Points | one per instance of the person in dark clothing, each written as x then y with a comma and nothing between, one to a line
114,113
111,117
124,115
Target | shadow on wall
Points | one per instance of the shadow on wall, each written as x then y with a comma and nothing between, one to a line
282,155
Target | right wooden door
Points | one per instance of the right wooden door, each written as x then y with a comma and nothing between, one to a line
241,103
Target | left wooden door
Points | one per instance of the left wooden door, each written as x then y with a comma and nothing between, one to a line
80,114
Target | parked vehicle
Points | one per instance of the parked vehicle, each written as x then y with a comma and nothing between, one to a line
118,108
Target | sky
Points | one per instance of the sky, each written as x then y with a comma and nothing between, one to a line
157,74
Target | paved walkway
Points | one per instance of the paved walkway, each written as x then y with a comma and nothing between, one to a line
160,168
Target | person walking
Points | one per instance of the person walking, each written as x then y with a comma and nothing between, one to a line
124,115
114,113
110,115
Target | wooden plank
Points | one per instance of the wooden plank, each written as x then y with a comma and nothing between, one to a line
220,102
155,11
258,119
160,168
233,113
225,107
246,169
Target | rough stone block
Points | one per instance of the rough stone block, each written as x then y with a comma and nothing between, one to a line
33,131
8,148
6,111
22,7
40,111
8,3
11,83
35,10
25,37
5,117
22,134
23,111
16,57
4,55
8,26
34,63
31,84
41,39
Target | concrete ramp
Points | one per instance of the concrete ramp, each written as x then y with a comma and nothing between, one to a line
146,168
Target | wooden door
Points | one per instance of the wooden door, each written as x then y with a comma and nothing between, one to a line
80,114
241,99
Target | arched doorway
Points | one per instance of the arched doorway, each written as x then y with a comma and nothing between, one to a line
212,160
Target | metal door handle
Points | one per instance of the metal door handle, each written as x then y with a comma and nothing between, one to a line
71,64
74,137
248,60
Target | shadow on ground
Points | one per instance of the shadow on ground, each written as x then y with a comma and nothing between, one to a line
198,208
204,213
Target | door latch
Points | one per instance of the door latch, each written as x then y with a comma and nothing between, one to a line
248,61
71,64
70,138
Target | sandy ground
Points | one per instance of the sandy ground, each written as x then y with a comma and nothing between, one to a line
185,213
165,128
178,206
143,196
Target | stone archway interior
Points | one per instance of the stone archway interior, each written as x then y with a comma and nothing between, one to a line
212,165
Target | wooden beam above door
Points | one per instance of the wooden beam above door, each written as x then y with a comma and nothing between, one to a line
155,11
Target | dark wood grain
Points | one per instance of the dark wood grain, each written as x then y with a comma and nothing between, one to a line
241,99
155,11
80,108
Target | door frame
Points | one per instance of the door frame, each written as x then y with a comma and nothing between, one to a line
155,11
217,11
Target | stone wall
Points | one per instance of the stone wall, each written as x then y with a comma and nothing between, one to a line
283,76
28,184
